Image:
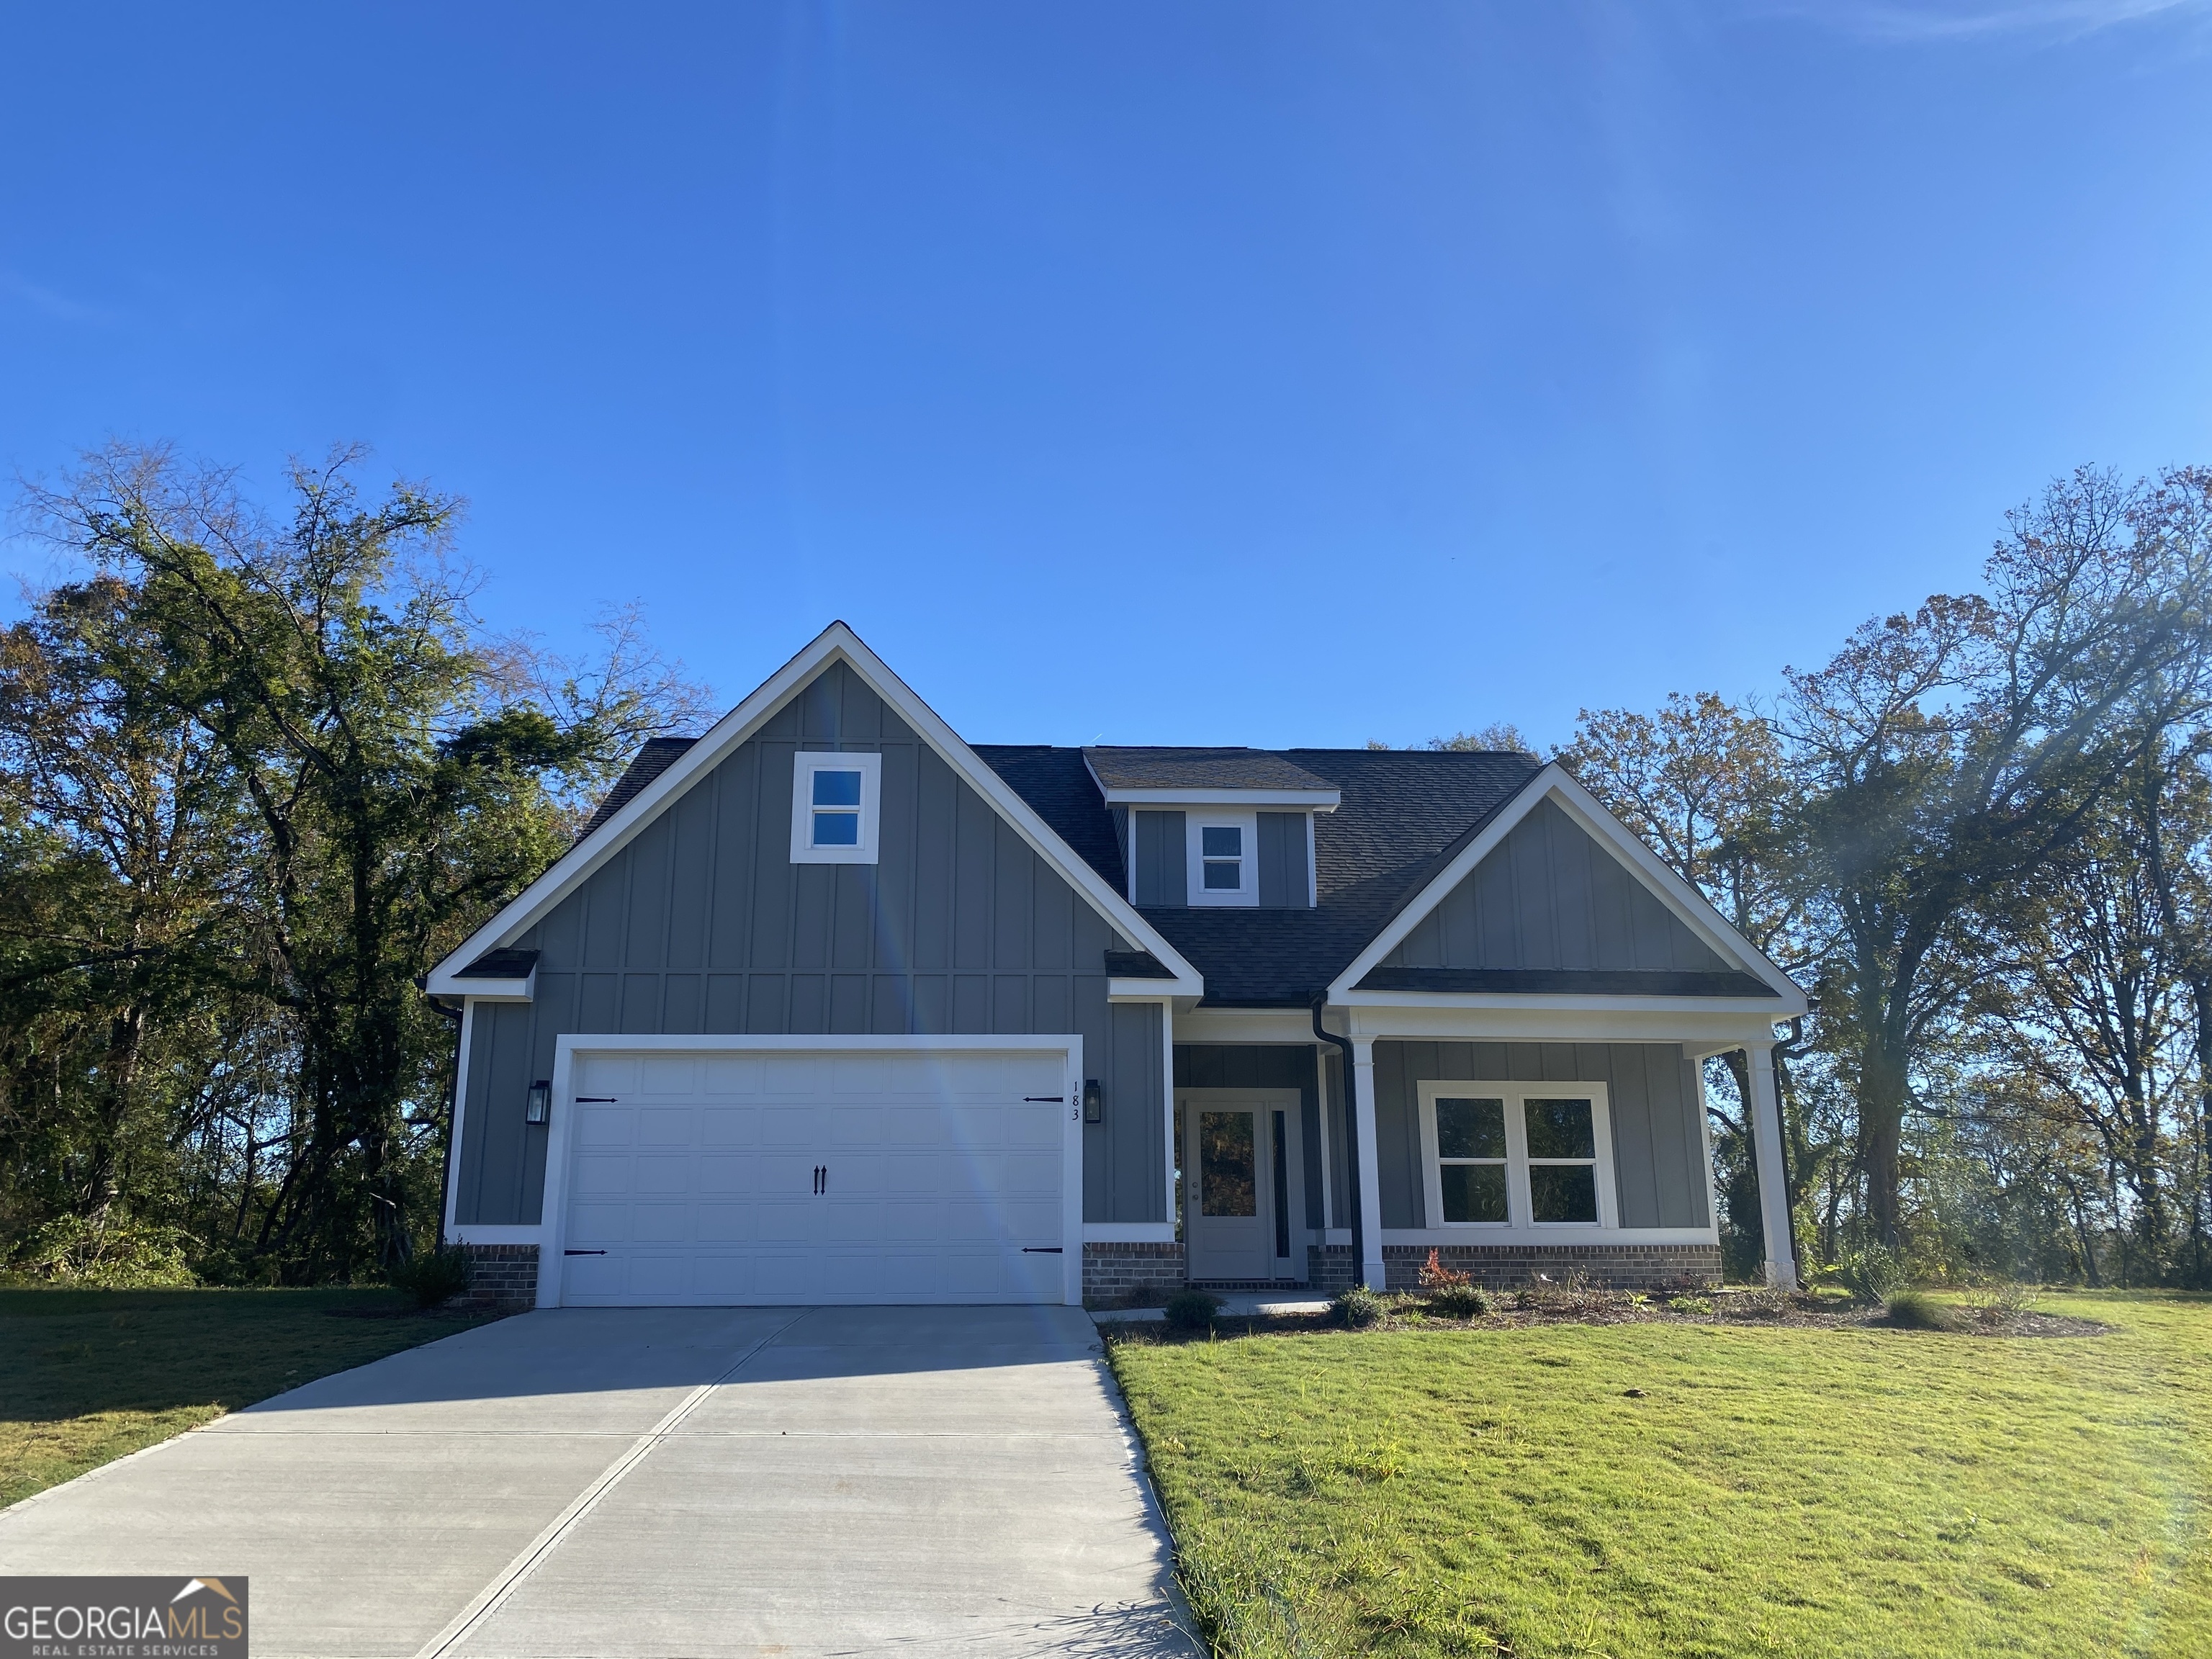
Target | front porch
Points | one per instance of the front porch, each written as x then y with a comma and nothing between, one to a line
1572,1145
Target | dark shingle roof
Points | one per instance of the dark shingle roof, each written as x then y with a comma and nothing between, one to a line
1058,789
656,758
1199,768
1406,813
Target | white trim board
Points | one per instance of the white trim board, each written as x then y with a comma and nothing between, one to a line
836,643
1554,782
568,1045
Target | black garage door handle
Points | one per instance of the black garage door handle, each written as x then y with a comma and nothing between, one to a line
583,1253
1041,1249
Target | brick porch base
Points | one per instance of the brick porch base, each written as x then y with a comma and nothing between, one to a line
1114,1272
500,1276
1615,1267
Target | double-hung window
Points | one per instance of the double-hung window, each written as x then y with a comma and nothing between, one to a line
1221,856
1224,857
1517,1157
835,807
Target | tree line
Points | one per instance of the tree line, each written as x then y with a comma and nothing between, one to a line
258,771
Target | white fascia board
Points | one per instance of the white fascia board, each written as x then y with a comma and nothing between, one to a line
1304,800
836,643
1150,990
1699,1028
1689,906
1271,1025
491,990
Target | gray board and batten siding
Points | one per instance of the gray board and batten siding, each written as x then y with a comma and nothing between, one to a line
703,924
1163,860
1549,897
1658,1134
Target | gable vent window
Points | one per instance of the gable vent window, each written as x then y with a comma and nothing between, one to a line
835,807
1221,853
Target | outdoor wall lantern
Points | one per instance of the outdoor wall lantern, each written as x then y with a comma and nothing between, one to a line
1094,1102
540,1108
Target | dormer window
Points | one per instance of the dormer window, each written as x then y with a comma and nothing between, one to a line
1221,849
835,807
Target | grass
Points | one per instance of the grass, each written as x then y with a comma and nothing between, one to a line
1775,1491
86,1376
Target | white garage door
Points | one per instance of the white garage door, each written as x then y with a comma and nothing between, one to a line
873,1176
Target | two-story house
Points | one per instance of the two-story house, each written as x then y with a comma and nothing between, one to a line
829,1005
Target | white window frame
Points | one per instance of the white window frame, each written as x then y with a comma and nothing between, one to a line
805,764
1520,1221
1196,822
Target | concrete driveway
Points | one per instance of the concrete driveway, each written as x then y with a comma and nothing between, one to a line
662,1482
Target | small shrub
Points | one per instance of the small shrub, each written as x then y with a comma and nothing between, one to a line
434,1277
116,1253
1917,1310
2000,1305
1435,1276
1464,1300
1874,1274
1357,1307
1192,1311
1689,1305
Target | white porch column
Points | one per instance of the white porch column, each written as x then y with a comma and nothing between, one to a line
1370,1182
1765,1113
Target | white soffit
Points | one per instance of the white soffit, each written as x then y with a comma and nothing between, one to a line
836,643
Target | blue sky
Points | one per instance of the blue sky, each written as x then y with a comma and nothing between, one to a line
1271,372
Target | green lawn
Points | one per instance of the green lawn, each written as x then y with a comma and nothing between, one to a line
1776,1491
89,1375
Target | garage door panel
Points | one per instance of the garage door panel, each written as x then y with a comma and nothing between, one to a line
729,1126
782,1221
667,1074
728,1223
598,1174
721,1274
598,1223
660,1223
736,1075
607,1074
699,1178
793,1075
658,1174
605,1126
783,1125
667,1126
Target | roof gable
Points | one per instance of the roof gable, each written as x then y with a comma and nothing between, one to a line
1553,886
612,830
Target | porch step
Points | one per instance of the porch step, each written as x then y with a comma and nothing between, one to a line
1247,1283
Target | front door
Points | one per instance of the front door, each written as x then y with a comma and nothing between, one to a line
1232,1174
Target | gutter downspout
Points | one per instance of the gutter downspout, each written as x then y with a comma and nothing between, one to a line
453,1103
1343,1046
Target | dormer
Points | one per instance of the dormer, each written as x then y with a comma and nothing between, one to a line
1214,827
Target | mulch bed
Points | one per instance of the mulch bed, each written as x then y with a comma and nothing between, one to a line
405,1313
1513,1310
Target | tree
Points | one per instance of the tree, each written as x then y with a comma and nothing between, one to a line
398,779
1949,756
